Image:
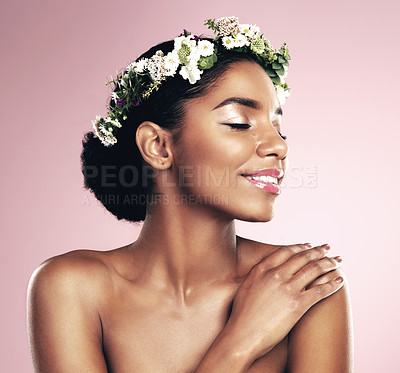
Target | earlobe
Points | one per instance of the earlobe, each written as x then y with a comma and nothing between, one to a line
154,143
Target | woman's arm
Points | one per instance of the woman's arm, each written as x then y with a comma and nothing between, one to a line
63,321
270,301
322,340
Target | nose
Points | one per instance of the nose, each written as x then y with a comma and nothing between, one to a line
270,143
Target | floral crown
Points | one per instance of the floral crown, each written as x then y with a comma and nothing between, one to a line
191,56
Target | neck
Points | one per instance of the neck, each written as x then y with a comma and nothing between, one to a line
186,246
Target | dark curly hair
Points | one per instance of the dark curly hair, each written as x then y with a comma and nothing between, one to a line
118,175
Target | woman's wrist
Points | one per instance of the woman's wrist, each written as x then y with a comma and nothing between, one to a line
227,353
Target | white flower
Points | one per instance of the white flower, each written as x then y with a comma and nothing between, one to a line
282,94
241,41
114,122
188,40
191,73
228,25
249,30
206,48
194,56
106,137
140,65
171,63
131,67
104,130
114,96
155,66
246,30
228,42
97,120
254,29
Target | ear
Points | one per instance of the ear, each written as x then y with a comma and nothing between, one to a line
154,143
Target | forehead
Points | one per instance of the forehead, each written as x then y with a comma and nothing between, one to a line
243,79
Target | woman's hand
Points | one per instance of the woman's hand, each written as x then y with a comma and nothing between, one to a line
273,296
269,302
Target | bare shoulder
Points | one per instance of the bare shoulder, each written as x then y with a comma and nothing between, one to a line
322,340
250,252
65,298
327,324
73,263
82,272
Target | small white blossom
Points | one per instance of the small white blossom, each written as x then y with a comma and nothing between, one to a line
254,29
114,122
140,65
246,30
97,120
206,48
191,73
188,40
131,67
155,66
178,42
194,56
228,42
114,96
241,41
106,137
228,25
171,63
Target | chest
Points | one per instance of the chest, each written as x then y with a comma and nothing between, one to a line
147,333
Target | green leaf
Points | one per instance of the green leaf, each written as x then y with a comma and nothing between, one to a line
276,79
276,65
281,60
280,72
285,63
271,72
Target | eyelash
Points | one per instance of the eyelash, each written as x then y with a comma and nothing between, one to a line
245,126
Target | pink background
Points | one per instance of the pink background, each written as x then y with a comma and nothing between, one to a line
340,121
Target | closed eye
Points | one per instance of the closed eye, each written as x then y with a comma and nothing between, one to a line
238,126
245,126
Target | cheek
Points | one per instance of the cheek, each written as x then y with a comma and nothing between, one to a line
213,162
219,149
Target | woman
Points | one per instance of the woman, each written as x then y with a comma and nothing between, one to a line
191,142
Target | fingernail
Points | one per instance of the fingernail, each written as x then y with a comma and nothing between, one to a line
338,279
326,246
338,258
308,245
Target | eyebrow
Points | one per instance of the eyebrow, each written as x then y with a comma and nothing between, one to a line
245,102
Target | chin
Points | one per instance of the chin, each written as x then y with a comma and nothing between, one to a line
259,219
257,215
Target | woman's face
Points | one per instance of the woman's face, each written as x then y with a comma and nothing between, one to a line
230,133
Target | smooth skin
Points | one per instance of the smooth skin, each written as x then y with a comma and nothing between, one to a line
190,295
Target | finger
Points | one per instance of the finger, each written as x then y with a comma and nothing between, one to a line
302,258
314,269
319,292
282,254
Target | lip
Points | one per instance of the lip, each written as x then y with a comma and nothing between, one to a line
274,172
266,186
